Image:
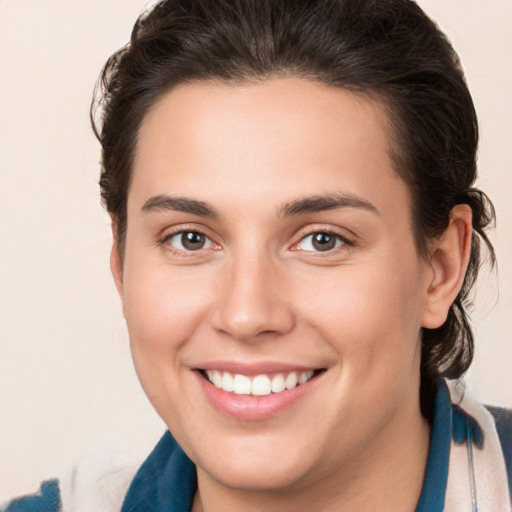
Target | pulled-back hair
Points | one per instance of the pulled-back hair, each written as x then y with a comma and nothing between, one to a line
386,49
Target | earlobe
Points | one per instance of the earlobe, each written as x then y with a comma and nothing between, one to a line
448,263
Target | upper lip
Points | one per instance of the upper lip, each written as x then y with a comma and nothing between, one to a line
255,368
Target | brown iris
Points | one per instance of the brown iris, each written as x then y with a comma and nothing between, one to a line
192,240
323,241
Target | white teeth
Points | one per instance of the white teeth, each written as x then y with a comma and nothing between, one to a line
227,382
217,378
305,376
261,385
278,383
291,380
241,385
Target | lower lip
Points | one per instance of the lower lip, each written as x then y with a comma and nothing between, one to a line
254,408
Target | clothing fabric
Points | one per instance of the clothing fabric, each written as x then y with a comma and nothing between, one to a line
470,452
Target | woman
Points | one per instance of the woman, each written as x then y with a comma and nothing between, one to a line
296,231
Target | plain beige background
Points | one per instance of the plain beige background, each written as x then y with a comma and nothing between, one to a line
67,387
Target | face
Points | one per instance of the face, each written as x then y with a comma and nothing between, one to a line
271,285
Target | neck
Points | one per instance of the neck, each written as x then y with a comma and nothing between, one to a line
387,478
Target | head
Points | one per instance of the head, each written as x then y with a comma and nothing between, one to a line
291,191
387,51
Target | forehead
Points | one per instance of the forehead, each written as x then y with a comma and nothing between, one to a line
278,139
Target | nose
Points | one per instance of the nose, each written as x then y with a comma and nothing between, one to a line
252,303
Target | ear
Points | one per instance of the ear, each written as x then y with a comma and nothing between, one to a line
116,264
447,264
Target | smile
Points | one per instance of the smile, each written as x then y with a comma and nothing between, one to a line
259,385
258,391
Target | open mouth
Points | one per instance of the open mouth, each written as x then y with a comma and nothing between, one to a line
260,385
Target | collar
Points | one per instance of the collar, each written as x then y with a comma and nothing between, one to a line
436,474
166,481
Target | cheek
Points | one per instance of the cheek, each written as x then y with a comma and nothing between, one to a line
370,316
162,310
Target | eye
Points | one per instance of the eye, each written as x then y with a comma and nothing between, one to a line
189,241
321,241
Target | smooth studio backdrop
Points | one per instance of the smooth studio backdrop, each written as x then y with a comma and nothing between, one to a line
67,387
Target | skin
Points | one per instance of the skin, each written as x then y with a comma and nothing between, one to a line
258,291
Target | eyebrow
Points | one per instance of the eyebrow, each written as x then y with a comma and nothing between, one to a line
179,204
301,206
320,203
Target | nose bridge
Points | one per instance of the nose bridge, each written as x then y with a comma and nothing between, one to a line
253,301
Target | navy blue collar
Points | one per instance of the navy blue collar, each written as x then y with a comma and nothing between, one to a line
167,481
436,475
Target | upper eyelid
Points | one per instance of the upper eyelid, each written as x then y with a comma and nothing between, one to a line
350,238
327,231
183,228
343,233
345,240
167,233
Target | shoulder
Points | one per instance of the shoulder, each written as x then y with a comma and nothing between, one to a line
503,420
47,499
97,482
486,434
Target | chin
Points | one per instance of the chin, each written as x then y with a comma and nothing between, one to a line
257,468
250,476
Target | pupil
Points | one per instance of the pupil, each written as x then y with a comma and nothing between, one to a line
324,241
192,240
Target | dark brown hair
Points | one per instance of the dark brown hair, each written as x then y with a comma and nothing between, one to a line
388,49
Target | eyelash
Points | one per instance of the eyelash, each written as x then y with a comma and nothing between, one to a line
165,241
344,241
